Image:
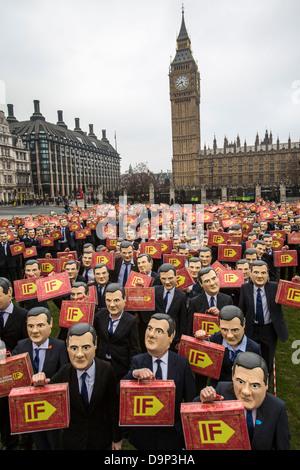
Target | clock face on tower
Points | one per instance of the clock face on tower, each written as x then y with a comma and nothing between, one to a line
181,82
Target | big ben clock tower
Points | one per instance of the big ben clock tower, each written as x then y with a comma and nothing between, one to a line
185,112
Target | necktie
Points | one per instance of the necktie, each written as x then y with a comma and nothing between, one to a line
166,298
84,392
125,274
212,302
36,360
111,326
99,294
233,354
158,374
2,319
249,421
259,308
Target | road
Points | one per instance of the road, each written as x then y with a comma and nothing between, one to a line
20,211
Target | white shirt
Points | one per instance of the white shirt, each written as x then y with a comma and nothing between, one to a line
90,379
170,297
7,311
42,352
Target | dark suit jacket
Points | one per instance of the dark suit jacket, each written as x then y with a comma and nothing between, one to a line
15,328
122,345
164,438
271,431
97,427
246,304
7,261
226,370
114,273
55,357
199,304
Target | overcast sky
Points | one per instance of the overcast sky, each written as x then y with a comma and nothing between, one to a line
107,63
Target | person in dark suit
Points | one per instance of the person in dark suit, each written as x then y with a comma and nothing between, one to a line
101,281
12,329
160,333
265,321
67,240
46,354
116,329
124,264
194,266
32,270
169,299
8,262
86,269
210,301
266,415
232,336
94,404
145,266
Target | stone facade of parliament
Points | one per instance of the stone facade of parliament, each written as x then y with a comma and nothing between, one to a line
234,170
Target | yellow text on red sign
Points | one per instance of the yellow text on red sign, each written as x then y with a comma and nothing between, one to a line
146,406
38,411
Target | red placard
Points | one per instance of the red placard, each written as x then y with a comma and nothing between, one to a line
184,279
135,277
215,426
72,312
217,266
29,252
105,257
147,403
166,246
278,234
47,241
231,278
294,238
39,408
48,266
278,243
53,286
205,358
140,298
288,293
56,234
217,238
80,234
206,322
230,253
15,371
111,243
17,248
74,226
177,260
25,289
151,248
285,258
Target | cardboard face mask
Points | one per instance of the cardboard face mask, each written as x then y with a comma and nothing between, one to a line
249,386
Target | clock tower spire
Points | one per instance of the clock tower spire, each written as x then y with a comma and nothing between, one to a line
184,83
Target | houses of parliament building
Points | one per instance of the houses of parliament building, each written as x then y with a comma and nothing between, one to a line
234,170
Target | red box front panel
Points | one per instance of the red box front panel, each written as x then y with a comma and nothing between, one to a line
205,358
140,298
72,312
53,286
208,323
288,293
39,408
285,258
147,403
15,371
215,426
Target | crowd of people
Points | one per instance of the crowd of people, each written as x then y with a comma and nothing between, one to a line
125,345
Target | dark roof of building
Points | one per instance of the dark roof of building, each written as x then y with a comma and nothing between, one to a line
59,132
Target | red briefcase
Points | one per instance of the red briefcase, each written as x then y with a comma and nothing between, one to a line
15,371
205,358
288,293
147,403
215,426
72,312
39,408
208,323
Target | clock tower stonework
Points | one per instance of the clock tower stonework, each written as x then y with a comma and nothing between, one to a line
185,113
